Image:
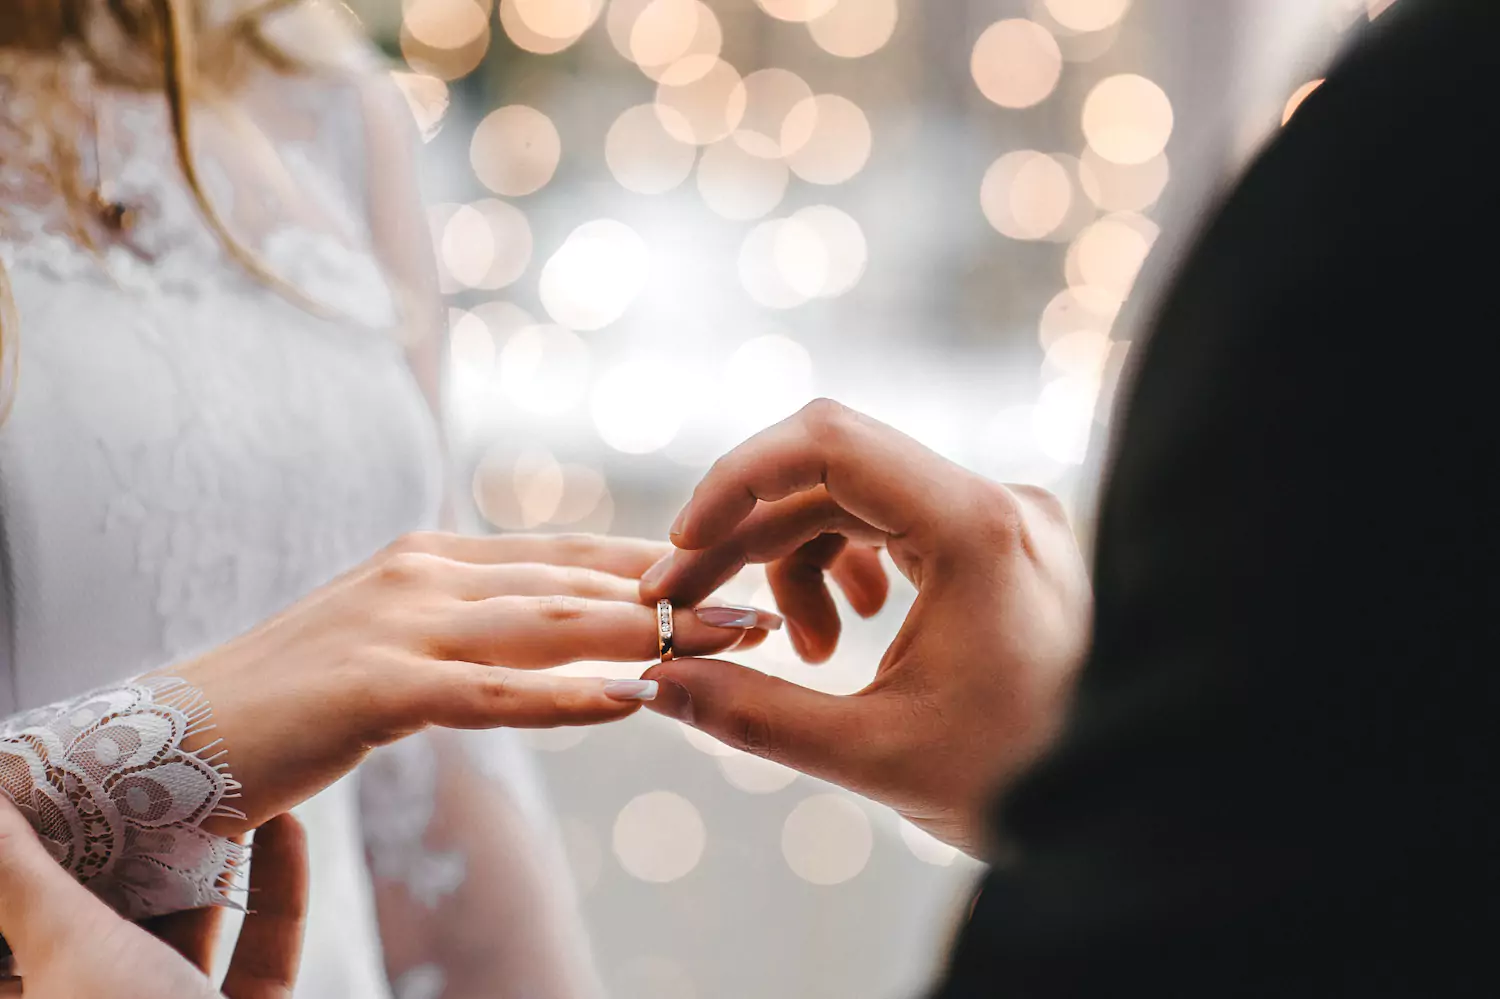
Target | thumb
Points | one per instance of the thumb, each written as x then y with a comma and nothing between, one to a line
41,905
825,735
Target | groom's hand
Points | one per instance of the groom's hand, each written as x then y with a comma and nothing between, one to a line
974,684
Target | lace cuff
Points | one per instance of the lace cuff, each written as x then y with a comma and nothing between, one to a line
104,780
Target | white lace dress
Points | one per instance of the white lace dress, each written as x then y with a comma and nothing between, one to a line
189,452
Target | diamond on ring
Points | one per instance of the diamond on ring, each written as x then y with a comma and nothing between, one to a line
664,630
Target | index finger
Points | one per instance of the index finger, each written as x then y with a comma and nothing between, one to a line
877,474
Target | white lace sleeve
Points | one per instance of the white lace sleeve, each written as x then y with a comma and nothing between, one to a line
105,780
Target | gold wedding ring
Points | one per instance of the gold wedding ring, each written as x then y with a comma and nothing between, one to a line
664,630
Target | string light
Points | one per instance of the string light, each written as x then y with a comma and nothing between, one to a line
1016,63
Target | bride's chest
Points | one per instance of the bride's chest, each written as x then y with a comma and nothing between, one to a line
176,468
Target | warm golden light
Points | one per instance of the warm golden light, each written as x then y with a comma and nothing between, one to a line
445,39
1127,119
445,24
1108,254
1301,94
1016,63
700,100
855,28
1079,308
528,38
1087,15
515,150
739,185
796,10
643,156
1026,195
595,275
559,19
1116,187
659,836
828,138
844,247
510,240
770,95
827,839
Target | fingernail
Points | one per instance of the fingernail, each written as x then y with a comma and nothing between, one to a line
657,572
675,702
735,616
631,690
678,524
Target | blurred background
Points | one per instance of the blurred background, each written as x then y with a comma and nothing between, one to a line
664,224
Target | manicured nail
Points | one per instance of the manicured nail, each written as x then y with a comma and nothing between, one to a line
631,690
734,616
678,524
657,572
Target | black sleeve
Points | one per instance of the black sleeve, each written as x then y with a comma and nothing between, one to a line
1277,776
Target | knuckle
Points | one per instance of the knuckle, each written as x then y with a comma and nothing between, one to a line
407,569
825,419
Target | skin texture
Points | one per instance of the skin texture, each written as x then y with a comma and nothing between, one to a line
438,629
67,943
974,685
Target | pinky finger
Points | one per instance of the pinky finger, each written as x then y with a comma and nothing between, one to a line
468,695
270,945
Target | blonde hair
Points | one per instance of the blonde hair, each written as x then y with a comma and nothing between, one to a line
170,47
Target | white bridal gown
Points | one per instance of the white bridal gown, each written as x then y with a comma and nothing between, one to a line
189,452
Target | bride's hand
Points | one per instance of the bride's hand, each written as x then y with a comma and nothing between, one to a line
436,630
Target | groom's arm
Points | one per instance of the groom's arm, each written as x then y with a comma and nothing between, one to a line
1274,781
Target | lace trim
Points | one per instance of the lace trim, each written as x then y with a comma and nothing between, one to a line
105,781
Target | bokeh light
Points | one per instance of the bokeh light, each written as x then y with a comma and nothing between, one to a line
1026,194
1087,15
1016,63
827,138
1127,119
1294,102
845,250
754,775
740,185
1117,187
1078,308
659,836
700,99
767,379
680,37
1108,255
631,413
853,29
486,245
770,95
517,18
643,156
445,39
558,18
544,369
796,10
926,847
515,150
1063,418
595,275
827,839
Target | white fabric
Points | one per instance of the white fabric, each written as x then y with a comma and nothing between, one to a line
189,452
117,799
